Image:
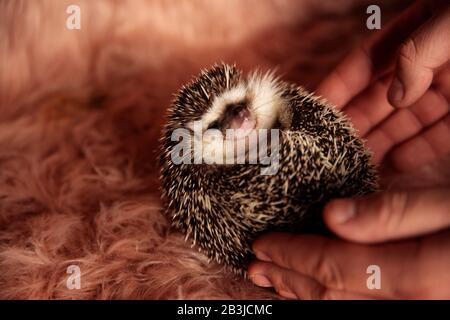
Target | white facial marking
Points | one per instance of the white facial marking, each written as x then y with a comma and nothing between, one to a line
264,102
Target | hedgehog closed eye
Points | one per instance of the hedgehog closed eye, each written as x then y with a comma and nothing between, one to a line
224,207
215,125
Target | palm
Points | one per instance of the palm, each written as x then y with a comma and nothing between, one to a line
402,140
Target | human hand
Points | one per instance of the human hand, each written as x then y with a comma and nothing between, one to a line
396,86
407,132
316,267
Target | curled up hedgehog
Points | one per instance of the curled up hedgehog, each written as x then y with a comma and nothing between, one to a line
244,155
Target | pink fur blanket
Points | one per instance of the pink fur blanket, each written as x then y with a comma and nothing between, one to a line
80,117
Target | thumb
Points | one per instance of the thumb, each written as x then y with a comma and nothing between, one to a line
419,56
390,215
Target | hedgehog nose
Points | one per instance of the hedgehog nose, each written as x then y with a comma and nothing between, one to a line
239,117
236,108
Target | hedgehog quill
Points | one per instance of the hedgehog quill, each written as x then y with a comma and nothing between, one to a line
220,196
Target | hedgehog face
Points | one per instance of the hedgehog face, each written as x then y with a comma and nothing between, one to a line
225,100
253,103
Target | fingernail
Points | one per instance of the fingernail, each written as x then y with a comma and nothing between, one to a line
262,256
287,294
396,91
260,280
343,211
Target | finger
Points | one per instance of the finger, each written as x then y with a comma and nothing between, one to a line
389,215
403,124
432,144
442,81
369,109
419,57
364,63
350,77
343,266
293,285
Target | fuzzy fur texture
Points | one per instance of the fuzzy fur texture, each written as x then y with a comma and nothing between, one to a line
80,117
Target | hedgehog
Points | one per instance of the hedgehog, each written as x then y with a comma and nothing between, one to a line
223,199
